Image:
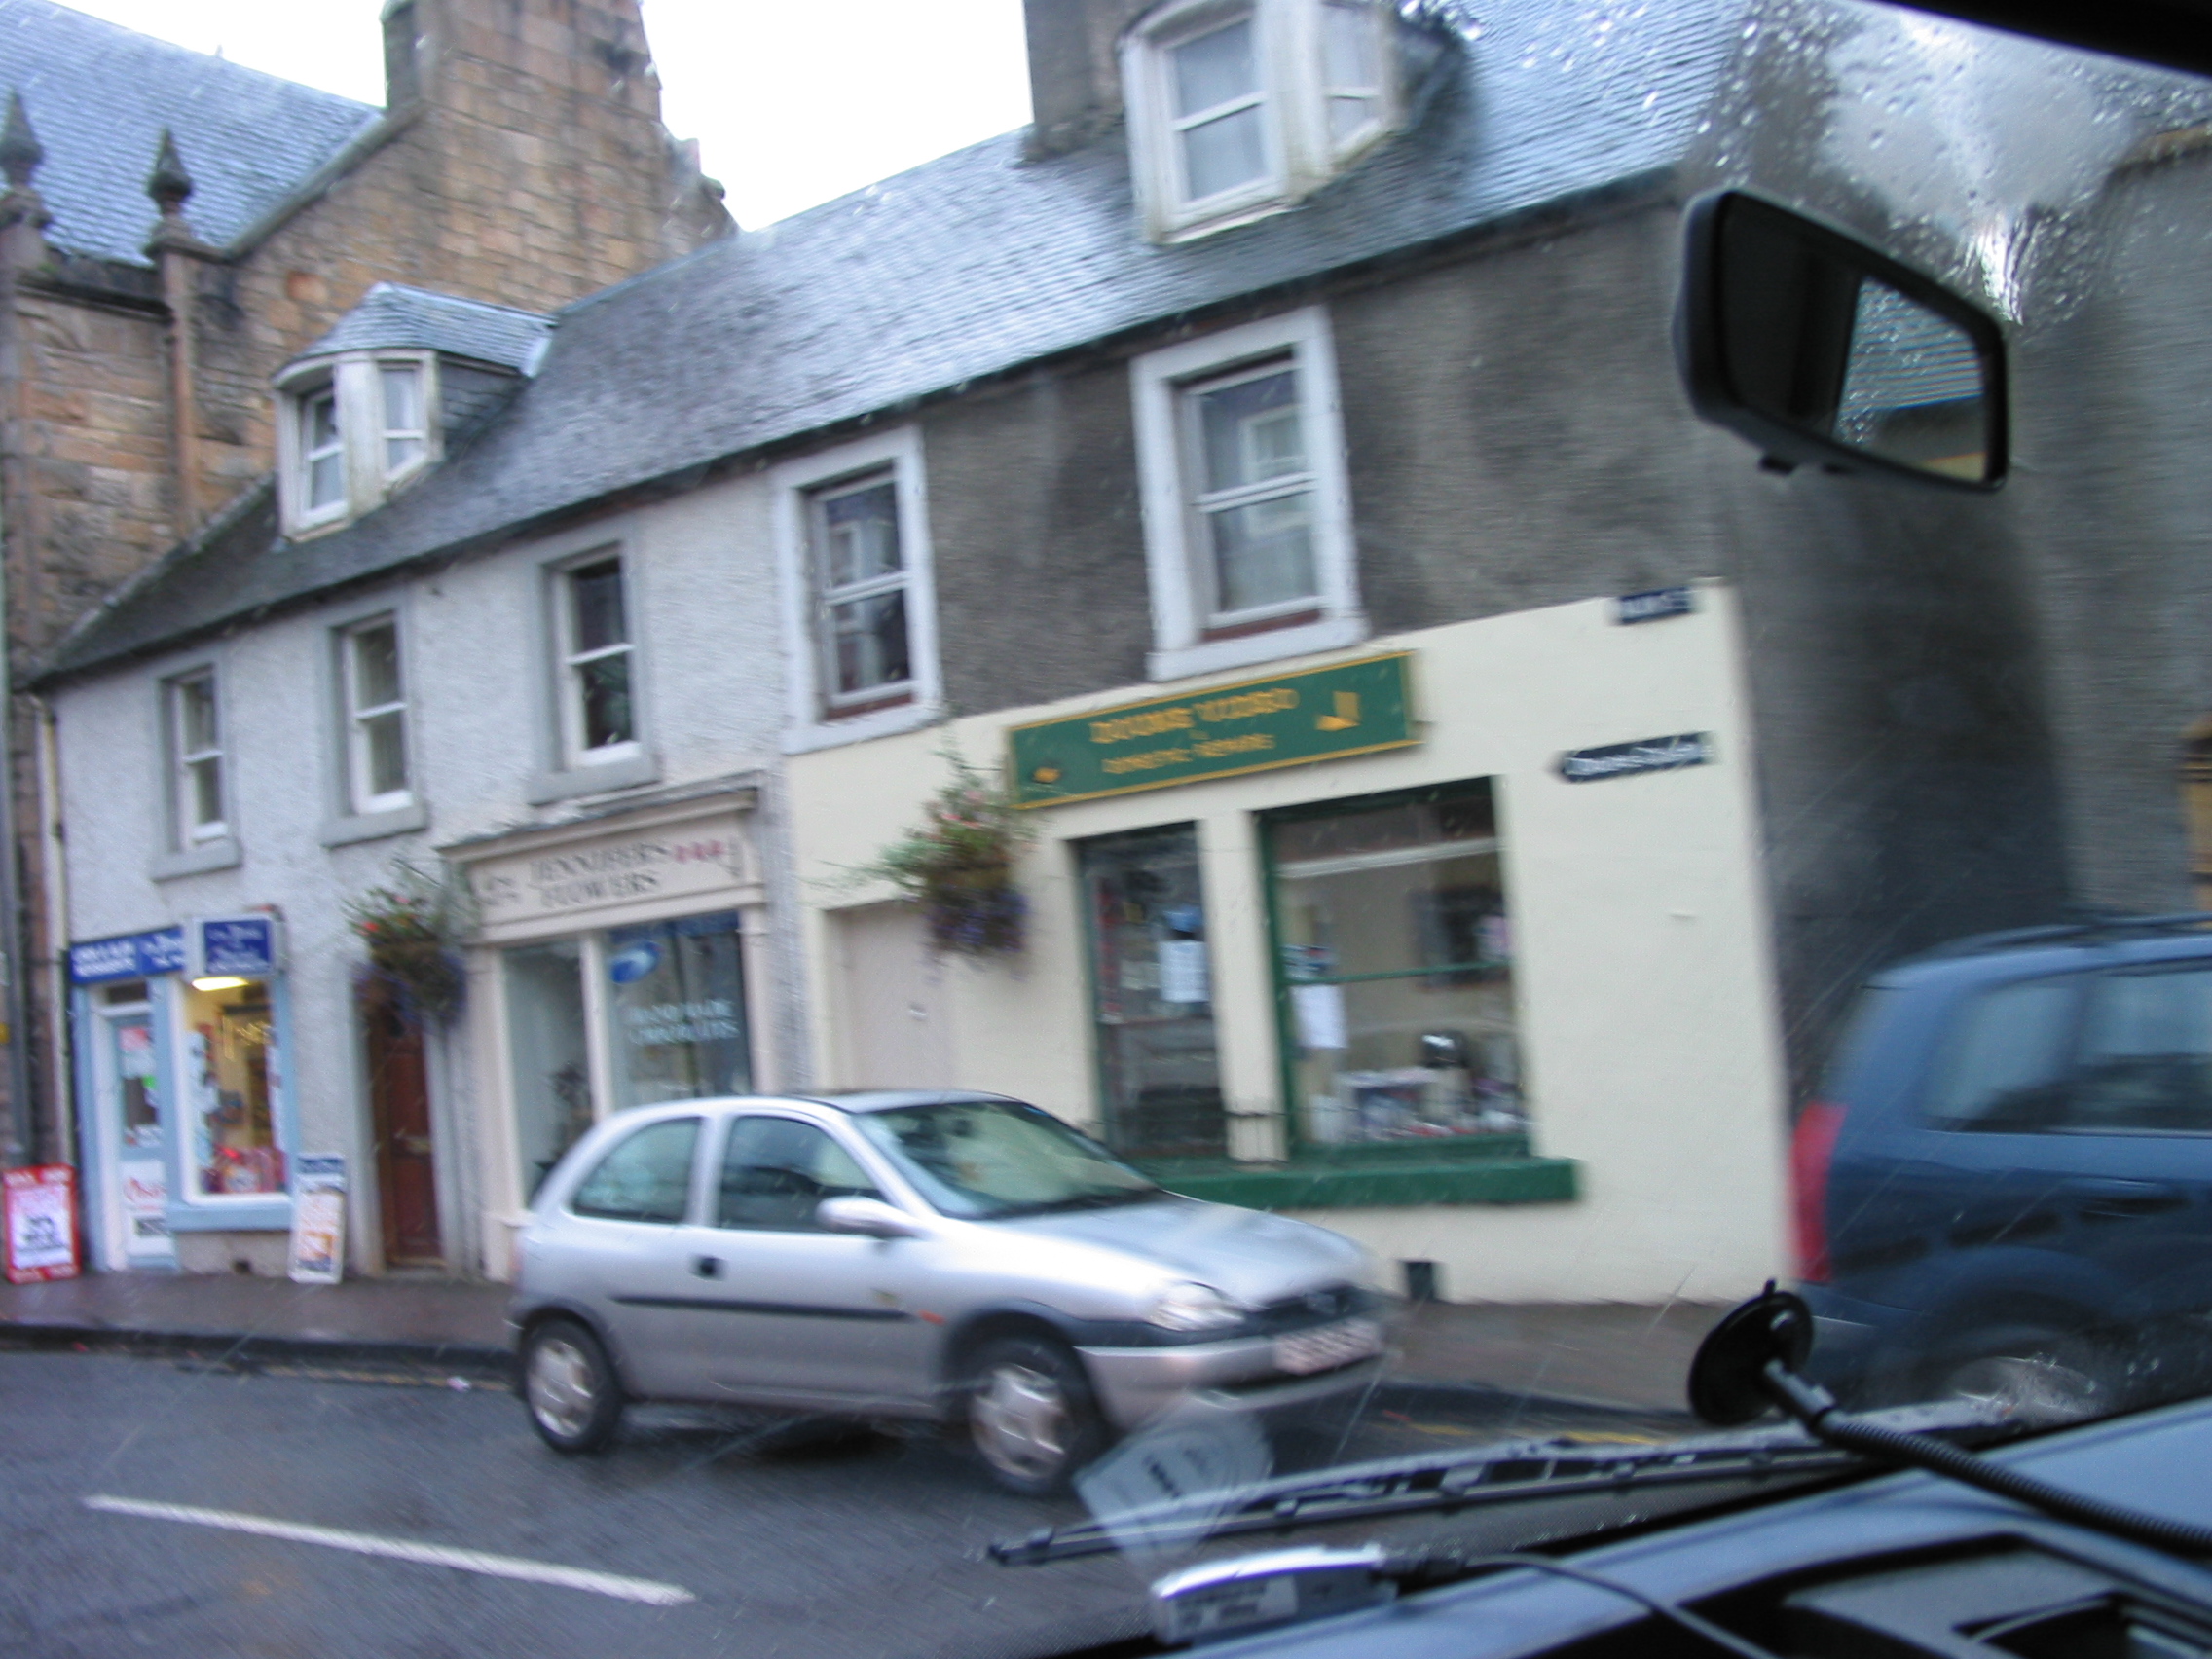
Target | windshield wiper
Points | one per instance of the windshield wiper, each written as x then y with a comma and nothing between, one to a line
1512,1473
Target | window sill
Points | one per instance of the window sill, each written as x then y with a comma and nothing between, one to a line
1313,1183
264,1211
1211,656
888,722
374,826
545,787
224,854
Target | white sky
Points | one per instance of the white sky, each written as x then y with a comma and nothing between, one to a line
793,101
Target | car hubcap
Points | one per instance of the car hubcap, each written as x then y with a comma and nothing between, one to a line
2037,1387
561,1391
1020,1419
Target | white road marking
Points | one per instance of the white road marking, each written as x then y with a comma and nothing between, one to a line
400,1549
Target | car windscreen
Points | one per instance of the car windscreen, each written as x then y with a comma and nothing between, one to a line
983,1159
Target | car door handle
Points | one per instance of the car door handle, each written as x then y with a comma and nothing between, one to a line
707,1267
2122,1201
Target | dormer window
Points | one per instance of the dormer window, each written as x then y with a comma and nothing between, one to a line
1240,108
358,423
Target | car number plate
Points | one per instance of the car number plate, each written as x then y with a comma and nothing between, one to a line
1331,1346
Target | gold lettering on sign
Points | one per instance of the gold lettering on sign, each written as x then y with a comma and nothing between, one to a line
1249,704
1152,759
1146,722
1214,748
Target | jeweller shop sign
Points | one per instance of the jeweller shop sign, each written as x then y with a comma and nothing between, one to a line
1286,719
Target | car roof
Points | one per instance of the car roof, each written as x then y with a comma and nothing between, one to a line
2027,952
846,1100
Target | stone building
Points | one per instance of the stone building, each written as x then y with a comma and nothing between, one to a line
177,227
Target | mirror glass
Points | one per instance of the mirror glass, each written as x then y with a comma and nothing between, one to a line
1913,390
1820,348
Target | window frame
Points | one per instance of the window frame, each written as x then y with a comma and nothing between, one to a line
824,597
185,835
811,721
1188,635
303,407
571,755
354,382
1299,150
357,797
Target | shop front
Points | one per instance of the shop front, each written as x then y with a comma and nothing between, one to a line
186,1113
1457,944
618,962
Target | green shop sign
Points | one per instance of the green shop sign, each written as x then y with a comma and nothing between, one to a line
1287,719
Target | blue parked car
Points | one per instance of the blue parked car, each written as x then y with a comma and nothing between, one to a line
2005,1190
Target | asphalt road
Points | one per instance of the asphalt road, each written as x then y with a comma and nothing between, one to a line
125,1485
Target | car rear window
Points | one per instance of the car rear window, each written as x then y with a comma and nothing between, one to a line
2004,1064
644,1177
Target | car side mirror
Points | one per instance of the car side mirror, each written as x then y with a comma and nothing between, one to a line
870,1216
1820,351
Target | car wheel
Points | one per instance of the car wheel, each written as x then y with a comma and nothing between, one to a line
2035,1375
1031,1414
569,1387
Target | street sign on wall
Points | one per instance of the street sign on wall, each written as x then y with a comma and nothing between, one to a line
1285,719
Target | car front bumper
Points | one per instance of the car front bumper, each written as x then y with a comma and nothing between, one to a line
1135,1385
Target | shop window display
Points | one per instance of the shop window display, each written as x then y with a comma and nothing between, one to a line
676,999
231,1079
1394,969
545,1033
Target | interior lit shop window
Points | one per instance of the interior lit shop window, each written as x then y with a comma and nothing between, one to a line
677,1004
230,1067
546,1036
1152,994
1395,968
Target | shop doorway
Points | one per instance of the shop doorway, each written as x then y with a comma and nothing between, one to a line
891,1024
399,1101
1152,995
127,1078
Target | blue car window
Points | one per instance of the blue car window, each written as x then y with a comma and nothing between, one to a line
2004,1065
646,1177
775,1170
2145,1061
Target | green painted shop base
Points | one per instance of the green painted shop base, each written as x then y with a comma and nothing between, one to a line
1494,1169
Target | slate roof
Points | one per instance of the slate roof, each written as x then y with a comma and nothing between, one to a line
964,267
99,96
390,316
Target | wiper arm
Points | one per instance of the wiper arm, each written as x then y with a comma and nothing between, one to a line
1414,1486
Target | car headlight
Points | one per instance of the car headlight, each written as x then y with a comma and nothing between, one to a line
1191,1306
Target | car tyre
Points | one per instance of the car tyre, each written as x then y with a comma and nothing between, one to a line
1032,1416
2038,1374
569,1387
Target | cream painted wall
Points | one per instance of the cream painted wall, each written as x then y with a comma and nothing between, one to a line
1643,974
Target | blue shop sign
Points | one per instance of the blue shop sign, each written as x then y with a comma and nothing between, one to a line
244,946
127,956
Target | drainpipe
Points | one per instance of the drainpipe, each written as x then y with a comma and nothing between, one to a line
53,964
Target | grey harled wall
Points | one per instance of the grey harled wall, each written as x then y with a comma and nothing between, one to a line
1518,437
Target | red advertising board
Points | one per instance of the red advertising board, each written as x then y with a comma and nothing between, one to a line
38,1207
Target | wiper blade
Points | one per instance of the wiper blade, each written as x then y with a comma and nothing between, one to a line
1412,1486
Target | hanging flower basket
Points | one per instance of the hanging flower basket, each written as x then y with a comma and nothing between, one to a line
959,864
412,929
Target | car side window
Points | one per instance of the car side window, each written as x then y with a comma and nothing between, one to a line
645,1177
775,1170
2146,1056
2003,1063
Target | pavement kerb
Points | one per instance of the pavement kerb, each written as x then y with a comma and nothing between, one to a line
1424,1396
472,1360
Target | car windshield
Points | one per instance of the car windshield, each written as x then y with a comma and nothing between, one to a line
1431,684
988,1160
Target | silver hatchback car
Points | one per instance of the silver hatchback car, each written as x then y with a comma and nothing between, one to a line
959,1257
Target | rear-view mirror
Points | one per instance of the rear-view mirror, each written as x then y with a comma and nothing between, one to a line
1818,348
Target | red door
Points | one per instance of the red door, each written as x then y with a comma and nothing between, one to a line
399,1095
